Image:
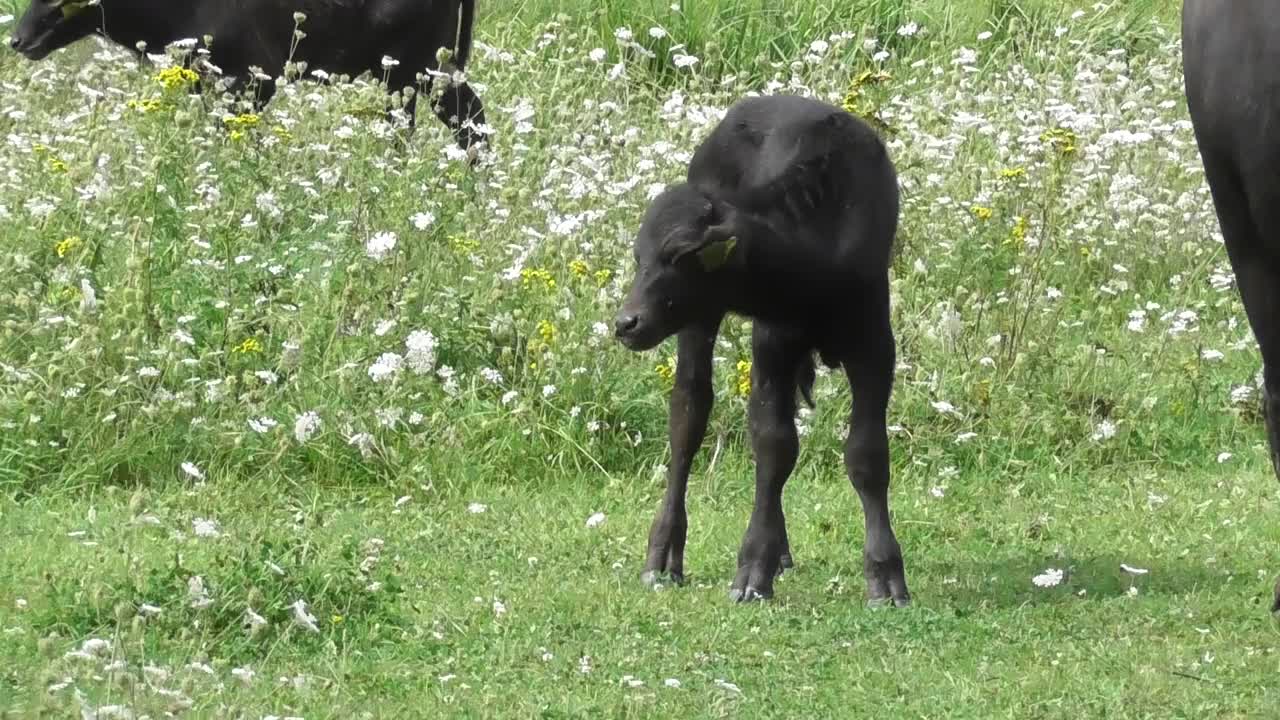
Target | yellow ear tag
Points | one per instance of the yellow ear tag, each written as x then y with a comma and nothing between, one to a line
71,8
716,254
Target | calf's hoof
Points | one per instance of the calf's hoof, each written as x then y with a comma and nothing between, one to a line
787,562
654,579
1275,604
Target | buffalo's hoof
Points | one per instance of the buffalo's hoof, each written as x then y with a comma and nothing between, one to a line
787,562
749,594
654,579
888,602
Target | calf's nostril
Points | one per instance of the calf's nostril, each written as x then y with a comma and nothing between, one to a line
625,324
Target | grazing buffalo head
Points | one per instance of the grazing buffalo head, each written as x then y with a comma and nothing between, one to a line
50,25
684,256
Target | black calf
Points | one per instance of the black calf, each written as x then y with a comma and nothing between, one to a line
787,217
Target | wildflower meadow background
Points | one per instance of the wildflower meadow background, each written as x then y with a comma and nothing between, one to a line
299,418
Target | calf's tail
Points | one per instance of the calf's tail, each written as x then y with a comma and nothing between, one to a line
806,374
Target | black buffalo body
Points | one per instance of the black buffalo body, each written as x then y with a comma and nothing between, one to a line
787,217
1231,60
342,37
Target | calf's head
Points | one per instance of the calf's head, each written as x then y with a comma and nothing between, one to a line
685,256
50,25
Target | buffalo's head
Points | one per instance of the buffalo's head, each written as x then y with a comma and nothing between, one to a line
50,25
684,255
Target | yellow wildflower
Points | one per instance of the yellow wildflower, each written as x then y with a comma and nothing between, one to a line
175,77
1019,232
250,345
578,267
1061,140
602,277
242,121
1011,173
66,245
667,370
145,105
982,213
743,383
547,332
57,166
529,276
463,244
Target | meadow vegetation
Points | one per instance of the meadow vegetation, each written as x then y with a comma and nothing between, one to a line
302,419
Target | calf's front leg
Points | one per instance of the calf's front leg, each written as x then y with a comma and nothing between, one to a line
688,411
776,354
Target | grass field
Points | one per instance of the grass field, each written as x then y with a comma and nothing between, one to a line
256,463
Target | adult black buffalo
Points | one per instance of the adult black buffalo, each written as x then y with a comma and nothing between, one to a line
344,37
788,216
1231,64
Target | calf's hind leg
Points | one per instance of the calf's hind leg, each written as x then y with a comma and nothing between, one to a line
776,356
869,367
689,408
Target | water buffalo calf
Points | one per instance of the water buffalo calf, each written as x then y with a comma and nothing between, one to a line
787,217
342,37
1231,64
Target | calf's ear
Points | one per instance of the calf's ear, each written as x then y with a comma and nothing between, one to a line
713,249
718,245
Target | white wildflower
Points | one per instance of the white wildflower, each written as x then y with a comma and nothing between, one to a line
205,528
306,425
88,297
1049,578
420,353
386,367
1104,430
423,220
302,618
380,245
253,622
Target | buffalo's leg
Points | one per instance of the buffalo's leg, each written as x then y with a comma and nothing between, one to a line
405,82
460,109
1251,234
869,365
688,410
776,356
1249,217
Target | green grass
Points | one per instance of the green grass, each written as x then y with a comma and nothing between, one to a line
1076,390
